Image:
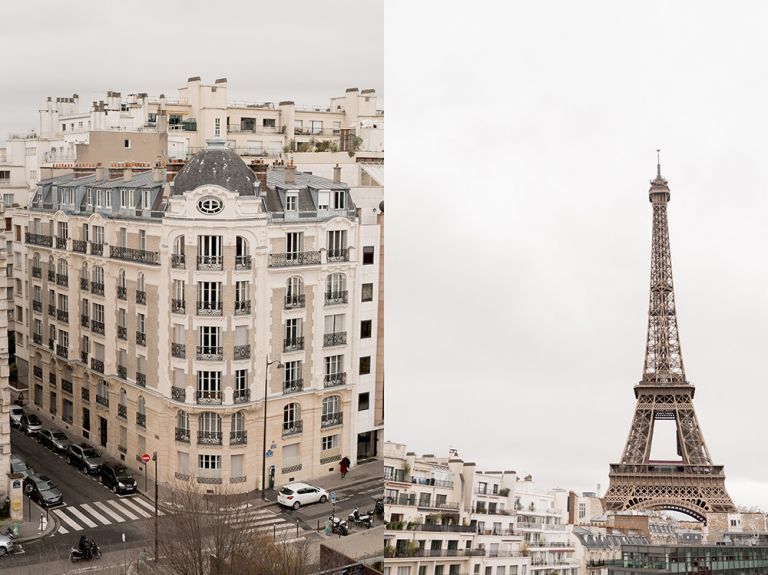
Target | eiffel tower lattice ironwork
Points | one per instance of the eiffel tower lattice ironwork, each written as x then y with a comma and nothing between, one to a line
692,485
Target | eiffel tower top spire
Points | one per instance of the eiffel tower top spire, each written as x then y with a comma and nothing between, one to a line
663,357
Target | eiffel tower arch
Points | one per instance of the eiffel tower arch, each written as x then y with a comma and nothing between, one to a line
693,485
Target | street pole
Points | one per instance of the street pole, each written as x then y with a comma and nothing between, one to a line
267,363
154,456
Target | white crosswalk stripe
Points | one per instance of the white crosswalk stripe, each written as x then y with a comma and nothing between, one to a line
67,519
135,507
76,512
265,521
145,503
90,515
121,509
106,509
103,520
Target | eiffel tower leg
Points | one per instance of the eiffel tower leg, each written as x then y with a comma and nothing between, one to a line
694,449
638,447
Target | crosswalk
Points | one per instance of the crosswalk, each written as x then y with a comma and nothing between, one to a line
98,513
267,522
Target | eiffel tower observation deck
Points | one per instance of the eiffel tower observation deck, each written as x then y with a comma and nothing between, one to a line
693,484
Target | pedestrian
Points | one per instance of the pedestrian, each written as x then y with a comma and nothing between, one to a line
344,466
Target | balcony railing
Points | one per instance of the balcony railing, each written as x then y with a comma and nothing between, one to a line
84,320
141,419
37,338
97,288
122,292
177,306
51,310
209,437
51,275
336,297
62,315
102,400
209,397
122,411
141,379
242,262
37,305
79,246
61,243
238,437
97,365
37,272
338,255
331,420
242,396
133,255
177,261
293,343
210,353
122,332
141,338
84,283
62,280
335,379
178,350
62,351
214,263
97,326
141,297
293,386
242,307
294,301
294,259
84,357
39,240
182,435
292,427
336,338
209,308
178,393
97,249
242,351
122,372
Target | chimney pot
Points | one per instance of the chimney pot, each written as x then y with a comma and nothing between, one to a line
290,173
127,174
337,174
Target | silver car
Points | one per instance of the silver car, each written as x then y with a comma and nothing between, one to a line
6,545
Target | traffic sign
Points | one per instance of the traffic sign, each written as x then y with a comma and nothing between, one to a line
146,457
333,497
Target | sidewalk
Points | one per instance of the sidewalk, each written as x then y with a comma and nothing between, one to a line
29,527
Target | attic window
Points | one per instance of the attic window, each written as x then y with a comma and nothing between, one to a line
291,202
323,199
210,206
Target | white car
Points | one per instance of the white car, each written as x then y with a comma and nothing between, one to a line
16,413
297,494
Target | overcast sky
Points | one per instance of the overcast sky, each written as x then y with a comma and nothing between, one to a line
521,142
302,50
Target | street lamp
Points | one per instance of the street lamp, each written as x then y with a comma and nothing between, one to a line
264,440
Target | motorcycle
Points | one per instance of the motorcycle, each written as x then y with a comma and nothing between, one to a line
365,519
77,554
11,533
338,527
379,508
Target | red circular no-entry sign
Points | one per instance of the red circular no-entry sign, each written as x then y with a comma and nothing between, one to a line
145,457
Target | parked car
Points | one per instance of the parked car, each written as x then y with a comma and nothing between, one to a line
297,494
19,466
6,545
117,477
30,423
85,457
16,413
54,440
42,489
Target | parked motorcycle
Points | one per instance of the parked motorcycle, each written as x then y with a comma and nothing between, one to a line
364,520
338,526
77,554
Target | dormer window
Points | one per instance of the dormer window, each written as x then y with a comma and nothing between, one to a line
126,198
291,201
323,199
339,199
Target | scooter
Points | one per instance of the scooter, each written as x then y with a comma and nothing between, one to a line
76,554
338,526
365,520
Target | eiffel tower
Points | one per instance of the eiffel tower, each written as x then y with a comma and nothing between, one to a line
693,485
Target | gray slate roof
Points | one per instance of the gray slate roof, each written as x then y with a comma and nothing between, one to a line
218,166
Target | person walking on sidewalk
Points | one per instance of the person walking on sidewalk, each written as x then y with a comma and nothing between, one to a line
344,466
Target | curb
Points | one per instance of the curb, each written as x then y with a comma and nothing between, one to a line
53,525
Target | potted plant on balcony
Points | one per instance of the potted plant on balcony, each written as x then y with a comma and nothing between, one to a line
389,551
504,491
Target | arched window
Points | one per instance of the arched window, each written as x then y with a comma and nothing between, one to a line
140,282
177,257
336,289
36,260
98,275
62,268
242,254
331,414
84,271
294,292
121,279
292,419
51,268
182,426
209,428
237,434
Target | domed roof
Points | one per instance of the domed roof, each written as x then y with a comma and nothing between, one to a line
216,165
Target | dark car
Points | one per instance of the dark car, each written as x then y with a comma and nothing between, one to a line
54,440
85,457
117,477
42,489
30,423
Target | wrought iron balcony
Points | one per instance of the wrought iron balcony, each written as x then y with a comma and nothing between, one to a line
38,371
294,301
122,411
336,297
293,343
122,372
242,351
335,379
84,283
336,338
97,365
37,272
242,396
294,259
97,288
177,261
141,419
242,262
62,315
61,243
84,357
66,385
179,350
85,393
178,393
210,353
79,246
209,308
37,305
39,240
177,306
293,386
51,275
122,292
141,297
331,420
62,351
52,309
209,397
293,427
182,435
102,400
122,332
133,255
62,280
97,326
209,437
242,307
238,437
141,379
37,338
338,255
205,263
97,249
141,338
84,320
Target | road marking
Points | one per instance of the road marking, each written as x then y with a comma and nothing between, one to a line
82,517
95,514
116,505
135,507
68,520
63,531
147,505
109,512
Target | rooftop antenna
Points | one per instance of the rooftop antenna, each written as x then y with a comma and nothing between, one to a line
658,163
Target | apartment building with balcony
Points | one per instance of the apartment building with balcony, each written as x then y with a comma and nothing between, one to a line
153,309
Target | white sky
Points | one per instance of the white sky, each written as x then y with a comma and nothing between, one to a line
521,142
302,50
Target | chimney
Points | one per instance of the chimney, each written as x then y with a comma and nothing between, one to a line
260,170
289,173
157,174
337,174
173,168
99,172
127,174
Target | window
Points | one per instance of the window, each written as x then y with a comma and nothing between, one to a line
292,331
269,122
209,465
66,411
182,420
331,410
145,199
292,418
8,199
339,199
292,376
294,245
335,287
127,144
209,340
86,419
126,198
98,234
582,510
142,240
217,127
140,323
323,199
242,291
363,401
365,329
366,293
291,202
334,365
209,384
337,244
209,206
329,442
123,238
367,255
365,365
241,382
316,126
